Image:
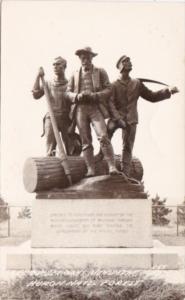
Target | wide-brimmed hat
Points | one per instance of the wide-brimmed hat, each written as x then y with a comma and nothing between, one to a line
120,60
85,50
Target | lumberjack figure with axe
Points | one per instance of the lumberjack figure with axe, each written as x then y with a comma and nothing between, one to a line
55,109
123,107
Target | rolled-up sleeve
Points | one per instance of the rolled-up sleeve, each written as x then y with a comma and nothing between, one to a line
151,96
37,94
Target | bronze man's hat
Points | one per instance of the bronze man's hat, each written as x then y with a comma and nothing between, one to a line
85,50
119,64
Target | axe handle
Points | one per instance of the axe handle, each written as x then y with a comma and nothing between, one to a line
58,138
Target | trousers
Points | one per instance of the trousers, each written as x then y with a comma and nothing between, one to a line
87,114
63,123
128,139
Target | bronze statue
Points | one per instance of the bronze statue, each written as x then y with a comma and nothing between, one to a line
125,94
88,90
59,103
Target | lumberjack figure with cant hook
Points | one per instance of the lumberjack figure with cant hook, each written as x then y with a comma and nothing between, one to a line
123,107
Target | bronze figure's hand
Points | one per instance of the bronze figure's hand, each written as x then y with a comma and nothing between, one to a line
41,72
89,96
174,90
122,123
94,96
87,93
80,97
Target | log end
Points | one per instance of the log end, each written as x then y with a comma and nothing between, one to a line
30,175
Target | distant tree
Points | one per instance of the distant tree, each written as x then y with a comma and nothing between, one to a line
160,211
181,213
25,213
3,210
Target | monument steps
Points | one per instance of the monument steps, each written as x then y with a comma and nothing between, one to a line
156,258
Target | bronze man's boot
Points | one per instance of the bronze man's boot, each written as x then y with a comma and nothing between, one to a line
110,132
108,153
89,160
125,167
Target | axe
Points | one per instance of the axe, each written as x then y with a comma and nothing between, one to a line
58,138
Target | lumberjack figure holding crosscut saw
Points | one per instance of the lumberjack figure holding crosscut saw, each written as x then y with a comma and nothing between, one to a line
123,107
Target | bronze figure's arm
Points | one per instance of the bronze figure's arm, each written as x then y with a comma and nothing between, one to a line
114,113
105,91
70,94
157,96
38,91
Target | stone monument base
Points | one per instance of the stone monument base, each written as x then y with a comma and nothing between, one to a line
95,223
157,258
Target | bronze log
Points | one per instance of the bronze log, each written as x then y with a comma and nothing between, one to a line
46,173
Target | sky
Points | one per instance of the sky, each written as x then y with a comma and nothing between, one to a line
152,34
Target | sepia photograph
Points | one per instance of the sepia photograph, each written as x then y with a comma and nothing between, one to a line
92,199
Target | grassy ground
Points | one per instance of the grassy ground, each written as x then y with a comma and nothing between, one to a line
12,241
171,240
19,229
168,235
166,240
